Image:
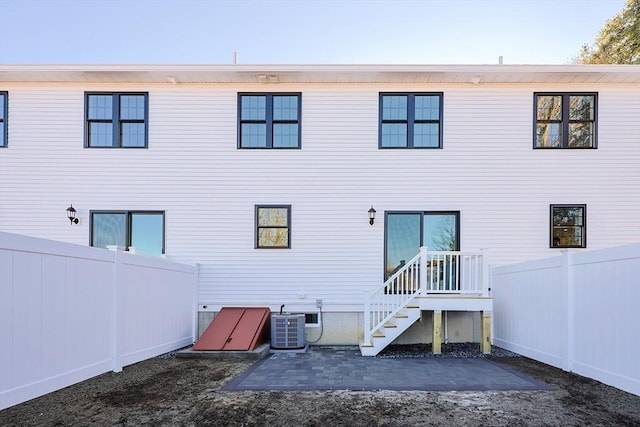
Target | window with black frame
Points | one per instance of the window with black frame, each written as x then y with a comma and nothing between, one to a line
269,120
568,226
565,120
410,120
3,118
116,120
143,230
273,227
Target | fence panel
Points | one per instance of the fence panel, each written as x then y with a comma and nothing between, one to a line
156,325
528,309
607,336
577,312
58,315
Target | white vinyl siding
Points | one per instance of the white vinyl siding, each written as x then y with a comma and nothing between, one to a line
208,188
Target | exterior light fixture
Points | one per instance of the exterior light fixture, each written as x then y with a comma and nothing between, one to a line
71,214
372,215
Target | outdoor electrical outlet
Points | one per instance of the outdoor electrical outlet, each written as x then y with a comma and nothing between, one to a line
319,303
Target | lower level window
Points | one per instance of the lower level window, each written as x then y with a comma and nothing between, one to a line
568,226
311,319
273,227
143,230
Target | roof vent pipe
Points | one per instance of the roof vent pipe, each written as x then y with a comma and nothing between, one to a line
500,60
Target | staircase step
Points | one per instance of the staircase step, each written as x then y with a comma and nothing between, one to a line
391,330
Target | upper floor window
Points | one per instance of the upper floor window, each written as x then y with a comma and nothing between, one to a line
3,118
565,120
410,120
143,230
273,226
568,226
269,120
116,120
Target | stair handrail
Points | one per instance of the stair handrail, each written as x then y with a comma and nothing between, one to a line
384,302
393,301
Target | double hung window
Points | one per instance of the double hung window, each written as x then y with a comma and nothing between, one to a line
143,230
3,118
273,226
116,120
410,120
568,226
269,120
565,120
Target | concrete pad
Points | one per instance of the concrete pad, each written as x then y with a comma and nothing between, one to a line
290,350
258,353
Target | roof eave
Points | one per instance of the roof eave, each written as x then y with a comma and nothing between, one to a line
355,73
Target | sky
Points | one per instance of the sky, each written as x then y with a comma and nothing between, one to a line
299,32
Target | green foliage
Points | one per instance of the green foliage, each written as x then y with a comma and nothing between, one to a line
618,41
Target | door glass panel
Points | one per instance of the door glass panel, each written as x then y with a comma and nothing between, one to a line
109,229
440,232
147,233
403,240
406,232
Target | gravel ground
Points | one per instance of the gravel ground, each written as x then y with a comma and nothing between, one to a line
450,350
187,392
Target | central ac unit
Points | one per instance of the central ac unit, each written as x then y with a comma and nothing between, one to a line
287,331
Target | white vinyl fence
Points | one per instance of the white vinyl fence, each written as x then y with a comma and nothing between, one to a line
70,312
578,311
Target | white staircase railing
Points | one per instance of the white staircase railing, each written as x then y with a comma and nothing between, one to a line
453,272
387,300
446,272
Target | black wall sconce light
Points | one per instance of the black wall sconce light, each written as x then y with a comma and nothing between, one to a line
71,214
372,215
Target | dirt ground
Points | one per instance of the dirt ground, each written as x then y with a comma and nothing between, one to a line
187,392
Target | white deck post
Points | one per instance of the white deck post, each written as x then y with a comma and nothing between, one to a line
423,270
367,320
485,273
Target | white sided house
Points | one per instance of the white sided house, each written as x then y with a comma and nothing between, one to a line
268,178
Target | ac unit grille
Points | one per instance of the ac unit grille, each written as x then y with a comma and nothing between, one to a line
287,331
